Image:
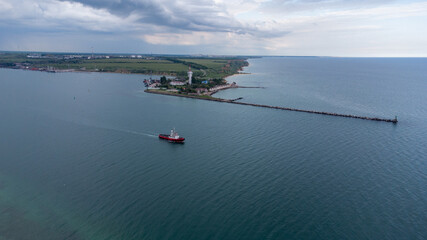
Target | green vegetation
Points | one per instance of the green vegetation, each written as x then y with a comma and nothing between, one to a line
204,68
215,67
207,72
125,66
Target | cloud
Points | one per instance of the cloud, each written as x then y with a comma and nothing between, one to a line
386,30
189,15
191,38
162,16
56,15
299,6
279,27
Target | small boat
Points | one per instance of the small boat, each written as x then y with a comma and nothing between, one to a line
172,137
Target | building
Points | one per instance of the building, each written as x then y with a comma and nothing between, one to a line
201,91
34,55
190,75
176,83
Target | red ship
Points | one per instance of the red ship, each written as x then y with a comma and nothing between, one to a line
172,137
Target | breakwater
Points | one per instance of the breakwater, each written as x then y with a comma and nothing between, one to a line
233,101
318,112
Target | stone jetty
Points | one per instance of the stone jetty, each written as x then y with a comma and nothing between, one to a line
233,101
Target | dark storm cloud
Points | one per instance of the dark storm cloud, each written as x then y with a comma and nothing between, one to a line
198,15
176,16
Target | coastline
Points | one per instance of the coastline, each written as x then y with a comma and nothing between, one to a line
235,86
209,67
87,71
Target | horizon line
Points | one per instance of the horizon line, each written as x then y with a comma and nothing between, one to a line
200,54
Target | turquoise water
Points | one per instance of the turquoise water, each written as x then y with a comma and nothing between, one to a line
80,158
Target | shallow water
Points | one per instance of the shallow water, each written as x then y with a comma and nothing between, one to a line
80,158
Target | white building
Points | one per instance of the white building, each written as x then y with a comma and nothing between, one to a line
176,83
190,75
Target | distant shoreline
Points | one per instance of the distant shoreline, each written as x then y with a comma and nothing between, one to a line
204,68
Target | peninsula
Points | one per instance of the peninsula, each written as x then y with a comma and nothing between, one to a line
208,73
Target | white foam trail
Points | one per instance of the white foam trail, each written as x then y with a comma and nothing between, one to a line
133,132
111,128
127,131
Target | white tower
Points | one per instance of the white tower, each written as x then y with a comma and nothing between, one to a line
190,74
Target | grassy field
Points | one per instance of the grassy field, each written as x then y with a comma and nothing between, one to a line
203,68
127,65
217,68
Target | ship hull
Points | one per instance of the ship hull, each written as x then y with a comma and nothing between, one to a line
166,137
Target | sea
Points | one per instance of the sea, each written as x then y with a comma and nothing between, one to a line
80,157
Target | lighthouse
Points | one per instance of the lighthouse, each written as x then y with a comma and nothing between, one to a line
190,74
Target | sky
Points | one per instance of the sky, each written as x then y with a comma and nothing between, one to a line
343,28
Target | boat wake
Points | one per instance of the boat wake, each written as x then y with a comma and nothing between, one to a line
127,131
135,132
113,129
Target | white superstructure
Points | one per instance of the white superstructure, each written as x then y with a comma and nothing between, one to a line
176,83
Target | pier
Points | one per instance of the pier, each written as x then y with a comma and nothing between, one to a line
318,112
234,101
